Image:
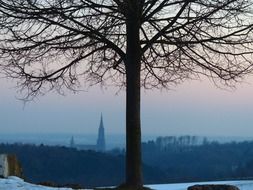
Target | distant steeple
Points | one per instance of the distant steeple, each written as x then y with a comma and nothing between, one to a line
101,136
72,142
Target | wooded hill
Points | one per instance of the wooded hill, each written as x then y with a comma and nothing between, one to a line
61,165
178,162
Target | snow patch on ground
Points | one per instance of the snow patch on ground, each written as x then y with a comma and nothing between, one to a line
15,183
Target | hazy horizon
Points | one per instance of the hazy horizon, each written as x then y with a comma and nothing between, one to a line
112,140
192,108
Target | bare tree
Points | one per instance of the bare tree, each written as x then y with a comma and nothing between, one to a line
58,44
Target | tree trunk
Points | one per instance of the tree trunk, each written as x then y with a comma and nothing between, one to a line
133,124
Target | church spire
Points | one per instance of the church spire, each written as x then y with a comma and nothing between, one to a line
101,125
101,136
72,142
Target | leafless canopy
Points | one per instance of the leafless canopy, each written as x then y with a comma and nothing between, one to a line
50,44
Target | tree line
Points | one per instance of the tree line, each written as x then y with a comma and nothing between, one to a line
59,165
209,160
171,163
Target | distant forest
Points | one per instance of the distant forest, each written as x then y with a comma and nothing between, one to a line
166,160
62,165
184,159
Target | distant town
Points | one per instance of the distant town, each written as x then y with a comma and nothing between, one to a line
103,141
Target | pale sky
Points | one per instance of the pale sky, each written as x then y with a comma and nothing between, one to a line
194,108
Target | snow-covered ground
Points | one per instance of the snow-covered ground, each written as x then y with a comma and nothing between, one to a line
15,183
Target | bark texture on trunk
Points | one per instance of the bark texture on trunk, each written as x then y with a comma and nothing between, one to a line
133,124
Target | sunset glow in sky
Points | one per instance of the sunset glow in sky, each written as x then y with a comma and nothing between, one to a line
195,108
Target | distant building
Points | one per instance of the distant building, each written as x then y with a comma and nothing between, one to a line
101,136
72,142
100,146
